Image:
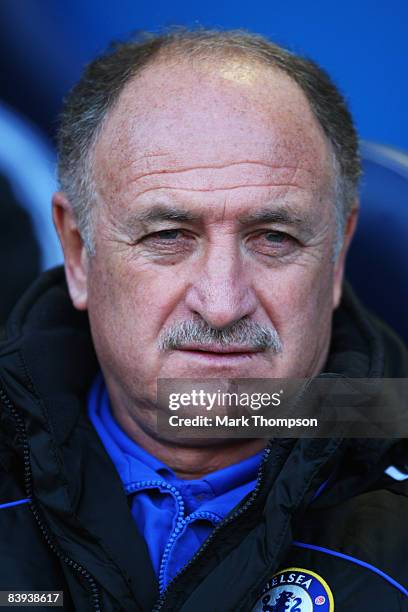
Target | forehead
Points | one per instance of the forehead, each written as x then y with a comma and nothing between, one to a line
209,122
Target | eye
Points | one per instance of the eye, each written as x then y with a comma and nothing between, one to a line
164,236
167,243
170,234
275,237
273,243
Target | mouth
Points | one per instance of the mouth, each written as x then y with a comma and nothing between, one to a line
221,354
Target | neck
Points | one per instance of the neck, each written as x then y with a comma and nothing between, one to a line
189,460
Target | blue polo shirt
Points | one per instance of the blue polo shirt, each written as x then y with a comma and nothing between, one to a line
175,516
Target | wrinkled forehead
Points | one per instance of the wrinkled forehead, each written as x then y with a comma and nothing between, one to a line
184,115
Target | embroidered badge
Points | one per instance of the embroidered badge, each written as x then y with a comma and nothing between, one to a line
295,590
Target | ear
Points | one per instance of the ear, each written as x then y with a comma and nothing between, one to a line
351,224
75,255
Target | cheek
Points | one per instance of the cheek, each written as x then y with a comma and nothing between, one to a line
298,300
129,304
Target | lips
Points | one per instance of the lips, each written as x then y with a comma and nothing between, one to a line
233,350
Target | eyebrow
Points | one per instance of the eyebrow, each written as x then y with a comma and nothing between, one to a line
161,212
276,215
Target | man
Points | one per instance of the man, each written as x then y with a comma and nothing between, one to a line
208,198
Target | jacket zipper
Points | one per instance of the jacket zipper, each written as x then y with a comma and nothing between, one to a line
181,522
229,519
133,487
60,554
176,533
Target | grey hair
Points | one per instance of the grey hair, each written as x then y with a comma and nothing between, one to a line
88,104
244,333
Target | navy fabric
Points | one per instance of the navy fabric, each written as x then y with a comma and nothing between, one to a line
174,515
369,566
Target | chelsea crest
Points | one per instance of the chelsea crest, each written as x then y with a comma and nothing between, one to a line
295,590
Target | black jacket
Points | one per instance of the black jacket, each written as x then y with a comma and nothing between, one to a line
76,533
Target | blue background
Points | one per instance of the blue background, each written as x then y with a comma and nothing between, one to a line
363,45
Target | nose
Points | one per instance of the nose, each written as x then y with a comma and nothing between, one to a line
220,291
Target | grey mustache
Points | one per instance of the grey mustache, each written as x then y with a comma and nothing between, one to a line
245,333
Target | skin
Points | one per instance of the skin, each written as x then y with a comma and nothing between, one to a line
223,142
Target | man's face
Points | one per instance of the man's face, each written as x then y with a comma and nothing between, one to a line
215,188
